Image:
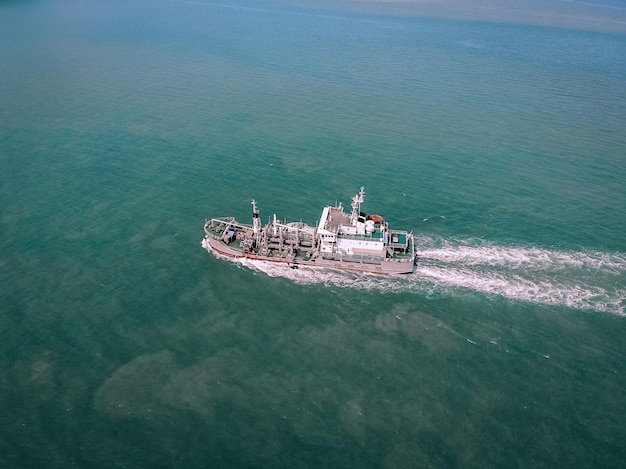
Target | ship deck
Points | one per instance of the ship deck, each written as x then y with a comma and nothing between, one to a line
336,217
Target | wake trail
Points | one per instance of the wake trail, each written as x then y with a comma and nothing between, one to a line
584,280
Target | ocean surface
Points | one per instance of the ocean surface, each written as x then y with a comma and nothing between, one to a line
123,125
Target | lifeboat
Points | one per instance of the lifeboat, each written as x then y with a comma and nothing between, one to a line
376,218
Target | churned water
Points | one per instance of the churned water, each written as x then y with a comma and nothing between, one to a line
124,344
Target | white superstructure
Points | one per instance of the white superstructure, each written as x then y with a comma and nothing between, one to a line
354,234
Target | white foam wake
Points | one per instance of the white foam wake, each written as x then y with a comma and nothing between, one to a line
583,280
527,258
578,279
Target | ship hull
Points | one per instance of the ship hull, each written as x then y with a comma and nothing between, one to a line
389,267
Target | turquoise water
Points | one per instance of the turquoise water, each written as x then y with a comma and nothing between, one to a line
124,344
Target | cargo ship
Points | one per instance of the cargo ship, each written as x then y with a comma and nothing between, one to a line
351,241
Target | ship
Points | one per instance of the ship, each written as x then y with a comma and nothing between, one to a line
351,241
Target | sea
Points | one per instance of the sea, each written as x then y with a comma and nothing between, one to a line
124,344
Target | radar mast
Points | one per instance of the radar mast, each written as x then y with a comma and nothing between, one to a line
357,200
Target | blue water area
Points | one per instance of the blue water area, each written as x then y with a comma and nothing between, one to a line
123,125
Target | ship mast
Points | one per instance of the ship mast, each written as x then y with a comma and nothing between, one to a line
357,200
256,222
